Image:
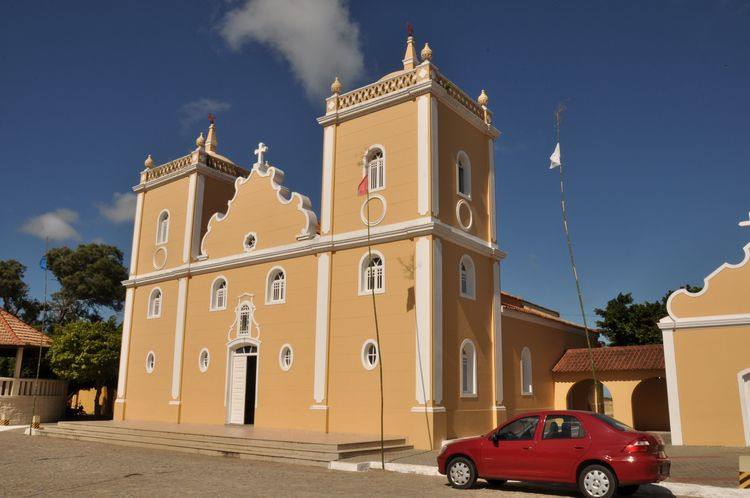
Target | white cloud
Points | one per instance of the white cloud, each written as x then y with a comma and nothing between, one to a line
122,208
316,37
55,225
196,110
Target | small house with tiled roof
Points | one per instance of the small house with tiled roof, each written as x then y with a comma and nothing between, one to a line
17,392
633,386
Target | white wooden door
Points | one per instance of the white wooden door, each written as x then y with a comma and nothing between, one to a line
239,379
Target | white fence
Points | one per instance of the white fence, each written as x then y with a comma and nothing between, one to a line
27,387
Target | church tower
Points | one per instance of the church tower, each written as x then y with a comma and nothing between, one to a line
408,165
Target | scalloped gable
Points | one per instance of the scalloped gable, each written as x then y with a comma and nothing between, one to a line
263,206
724,293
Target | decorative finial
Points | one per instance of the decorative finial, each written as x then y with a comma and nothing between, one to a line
336,86
483,99
409,29
200,141
211,141
211,118
426,52
149,162
261,153
410,57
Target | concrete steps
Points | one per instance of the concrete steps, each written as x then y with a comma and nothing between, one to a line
276,449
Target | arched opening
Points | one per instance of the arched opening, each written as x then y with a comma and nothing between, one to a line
650,405
581,397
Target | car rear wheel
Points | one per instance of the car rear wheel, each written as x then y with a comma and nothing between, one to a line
627,490
462,473
597,481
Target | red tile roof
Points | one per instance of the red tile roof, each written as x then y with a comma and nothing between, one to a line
612,359
14,332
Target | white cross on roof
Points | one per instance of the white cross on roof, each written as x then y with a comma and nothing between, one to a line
261,152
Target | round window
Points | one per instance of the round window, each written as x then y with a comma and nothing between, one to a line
286,357
250,241
203,360
150,361
370,355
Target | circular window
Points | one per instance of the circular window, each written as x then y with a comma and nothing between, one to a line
203,360
286,357
377,208
150,361
464,215
370,354
250,241
160,257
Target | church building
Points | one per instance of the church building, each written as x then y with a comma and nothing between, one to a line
244,306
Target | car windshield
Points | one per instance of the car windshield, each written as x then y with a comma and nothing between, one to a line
614,423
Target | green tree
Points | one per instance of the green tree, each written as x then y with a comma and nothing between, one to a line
15,293
88,354
626,323
90,278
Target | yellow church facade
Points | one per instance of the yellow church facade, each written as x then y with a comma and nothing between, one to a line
244,306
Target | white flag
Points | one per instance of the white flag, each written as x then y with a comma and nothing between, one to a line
554,159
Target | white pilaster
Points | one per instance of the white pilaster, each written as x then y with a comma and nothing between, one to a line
198,218
422,294
136,232
189,218
434,152
497,333
179,336
326,201
423,154
675,421
127,321
321,327
437,323
493,205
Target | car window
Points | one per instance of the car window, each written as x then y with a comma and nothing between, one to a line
562,427
613,423
521,429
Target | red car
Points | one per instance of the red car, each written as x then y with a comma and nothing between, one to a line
600,454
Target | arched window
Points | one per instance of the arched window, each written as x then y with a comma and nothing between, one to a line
219,294
463,175
466,277
526,383
370,354
468,369
372,273
162,228
203,360
276,290
376,169
244,319
286,356
154,303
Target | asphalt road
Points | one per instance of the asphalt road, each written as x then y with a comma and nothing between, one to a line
41,466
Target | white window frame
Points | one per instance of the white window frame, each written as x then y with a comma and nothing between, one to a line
470,276
242,305
203,368
371,151
159,241
270,279
469,391
526,361
282,363
150,362
364,265
463,159
244,241
364,356
215,288
150,310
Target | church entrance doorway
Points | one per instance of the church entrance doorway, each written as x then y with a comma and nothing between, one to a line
244,375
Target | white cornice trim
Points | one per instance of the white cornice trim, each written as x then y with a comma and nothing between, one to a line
354,239
668,323
541,320
186,171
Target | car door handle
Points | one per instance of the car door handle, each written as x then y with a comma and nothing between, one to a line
526,448
579,447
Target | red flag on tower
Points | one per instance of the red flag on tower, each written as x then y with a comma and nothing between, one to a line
362,188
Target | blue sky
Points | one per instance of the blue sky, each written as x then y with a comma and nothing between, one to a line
655,139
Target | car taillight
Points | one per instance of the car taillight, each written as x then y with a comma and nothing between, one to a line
638,446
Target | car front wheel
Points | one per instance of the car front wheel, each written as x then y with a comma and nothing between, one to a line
462,473
597,481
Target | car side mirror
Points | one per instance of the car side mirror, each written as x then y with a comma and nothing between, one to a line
494,438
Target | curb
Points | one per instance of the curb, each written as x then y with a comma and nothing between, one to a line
666,488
